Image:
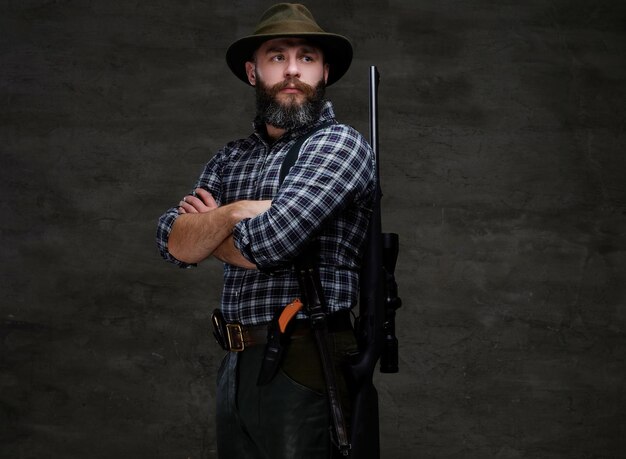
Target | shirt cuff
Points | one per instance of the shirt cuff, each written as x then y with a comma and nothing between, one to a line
241,238
163,234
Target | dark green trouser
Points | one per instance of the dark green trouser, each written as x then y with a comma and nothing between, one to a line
285,419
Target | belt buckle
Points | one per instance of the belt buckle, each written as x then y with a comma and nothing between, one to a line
234,333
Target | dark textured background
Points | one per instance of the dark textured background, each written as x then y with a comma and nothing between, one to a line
503,162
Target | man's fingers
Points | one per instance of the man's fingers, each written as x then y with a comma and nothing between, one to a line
196,203
201,202
186,206
206,197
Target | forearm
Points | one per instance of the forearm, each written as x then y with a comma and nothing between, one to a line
194,237
228,253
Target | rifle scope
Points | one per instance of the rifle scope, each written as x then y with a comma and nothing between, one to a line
389,352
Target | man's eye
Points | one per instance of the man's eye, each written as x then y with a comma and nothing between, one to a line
308,59
278,58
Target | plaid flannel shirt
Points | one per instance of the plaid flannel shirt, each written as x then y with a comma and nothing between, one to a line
326,195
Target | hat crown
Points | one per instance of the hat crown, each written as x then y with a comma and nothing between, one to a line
287,18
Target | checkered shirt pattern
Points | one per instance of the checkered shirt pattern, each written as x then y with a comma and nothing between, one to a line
326,195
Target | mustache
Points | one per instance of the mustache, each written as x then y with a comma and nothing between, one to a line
306,89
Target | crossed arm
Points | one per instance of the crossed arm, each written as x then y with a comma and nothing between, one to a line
203,228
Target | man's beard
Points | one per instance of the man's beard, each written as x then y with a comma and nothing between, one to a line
289,114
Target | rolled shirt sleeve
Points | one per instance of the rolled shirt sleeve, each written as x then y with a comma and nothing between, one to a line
164,227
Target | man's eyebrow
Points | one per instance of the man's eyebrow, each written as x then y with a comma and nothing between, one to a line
310,49
275,49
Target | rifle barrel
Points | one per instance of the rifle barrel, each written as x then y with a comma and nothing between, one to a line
374,81
365,430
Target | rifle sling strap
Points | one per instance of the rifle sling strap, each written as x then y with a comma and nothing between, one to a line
294,151
312,293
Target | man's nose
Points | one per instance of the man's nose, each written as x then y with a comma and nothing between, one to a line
292,70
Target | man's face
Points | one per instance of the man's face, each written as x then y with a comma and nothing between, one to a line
290,78
287,61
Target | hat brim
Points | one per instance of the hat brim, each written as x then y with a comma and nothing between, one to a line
337,52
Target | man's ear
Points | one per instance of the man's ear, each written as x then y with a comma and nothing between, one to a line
326,70
250,72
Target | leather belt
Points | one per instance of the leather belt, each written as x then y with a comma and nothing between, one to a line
235,337
238,336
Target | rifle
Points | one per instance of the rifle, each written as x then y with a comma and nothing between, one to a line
378,302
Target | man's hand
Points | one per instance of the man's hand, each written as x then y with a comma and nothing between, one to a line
201,201
250,209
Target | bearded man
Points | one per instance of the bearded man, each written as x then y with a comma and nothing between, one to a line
242,213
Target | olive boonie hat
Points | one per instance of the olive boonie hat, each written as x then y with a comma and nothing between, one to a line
291,20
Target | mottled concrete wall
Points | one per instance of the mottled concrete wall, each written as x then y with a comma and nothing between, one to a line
503,169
